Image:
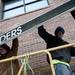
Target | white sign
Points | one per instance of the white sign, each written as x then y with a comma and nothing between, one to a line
11,34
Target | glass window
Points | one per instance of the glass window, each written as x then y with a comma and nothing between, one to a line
13,5
28,1
13,12
17,7
37,5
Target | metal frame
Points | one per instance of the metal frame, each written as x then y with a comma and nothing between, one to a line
21,5
37,52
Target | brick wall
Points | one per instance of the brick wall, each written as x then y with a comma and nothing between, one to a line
30,41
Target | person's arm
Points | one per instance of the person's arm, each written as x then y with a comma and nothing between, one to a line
72,51
44,34
14,48
14,51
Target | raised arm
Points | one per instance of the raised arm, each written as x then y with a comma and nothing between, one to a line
14,48
14,51
44,34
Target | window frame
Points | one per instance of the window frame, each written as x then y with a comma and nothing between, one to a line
24,5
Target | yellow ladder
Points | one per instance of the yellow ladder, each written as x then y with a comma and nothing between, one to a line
37,52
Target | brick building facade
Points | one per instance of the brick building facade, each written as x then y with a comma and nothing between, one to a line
30,41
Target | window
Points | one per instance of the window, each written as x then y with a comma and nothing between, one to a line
73,13
36,5
17,7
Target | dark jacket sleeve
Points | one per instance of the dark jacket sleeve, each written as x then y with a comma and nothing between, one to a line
14,48
13,52
44,34
72,51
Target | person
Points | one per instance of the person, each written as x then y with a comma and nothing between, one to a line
6,52
60,58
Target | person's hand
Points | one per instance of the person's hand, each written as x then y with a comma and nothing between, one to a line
41,27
